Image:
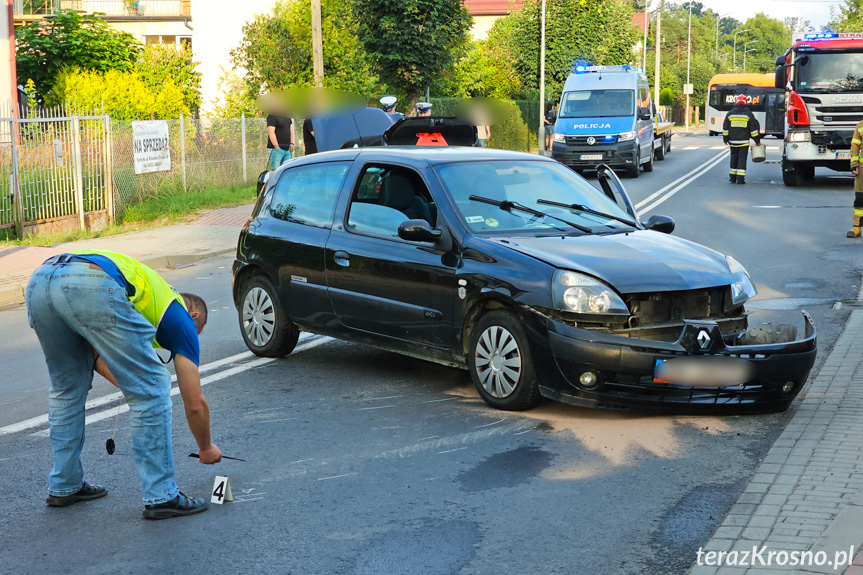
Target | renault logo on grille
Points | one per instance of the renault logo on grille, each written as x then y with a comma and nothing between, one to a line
703,339
591,140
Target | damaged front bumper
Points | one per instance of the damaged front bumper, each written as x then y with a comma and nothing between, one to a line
625,369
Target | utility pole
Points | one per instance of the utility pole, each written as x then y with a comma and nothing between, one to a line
541,135
317,44
657,41
688,61
745,52
646,28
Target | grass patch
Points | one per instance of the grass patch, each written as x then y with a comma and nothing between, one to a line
163,210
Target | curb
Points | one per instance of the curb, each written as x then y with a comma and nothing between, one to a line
12,294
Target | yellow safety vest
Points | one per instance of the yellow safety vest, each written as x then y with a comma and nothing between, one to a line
152,296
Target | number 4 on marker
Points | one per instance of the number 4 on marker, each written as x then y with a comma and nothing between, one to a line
221,490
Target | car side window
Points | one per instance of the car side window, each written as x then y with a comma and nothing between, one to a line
385,197
307,194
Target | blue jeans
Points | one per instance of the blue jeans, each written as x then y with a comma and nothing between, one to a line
278,157
75,308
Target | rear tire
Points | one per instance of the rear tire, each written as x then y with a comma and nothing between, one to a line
266,329
659,153
500,363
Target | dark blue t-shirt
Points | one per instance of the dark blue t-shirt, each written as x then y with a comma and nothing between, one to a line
176,332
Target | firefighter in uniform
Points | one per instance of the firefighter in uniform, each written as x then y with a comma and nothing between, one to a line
738,127
858,181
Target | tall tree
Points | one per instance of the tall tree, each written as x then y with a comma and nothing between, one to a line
413,41
594,31
70,40
161,63
848,18
771,38
276,50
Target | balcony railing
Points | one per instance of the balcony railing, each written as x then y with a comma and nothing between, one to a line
112,8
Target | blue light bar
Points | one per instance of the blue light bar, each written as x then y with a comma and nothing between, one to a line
820,36
580,69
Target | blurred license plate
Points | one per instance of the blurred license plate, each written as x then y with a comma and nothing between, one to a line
590,157
843,155
703,371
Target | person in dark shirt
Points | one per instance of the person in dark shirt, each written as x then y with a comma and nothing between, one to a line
280,140
309,137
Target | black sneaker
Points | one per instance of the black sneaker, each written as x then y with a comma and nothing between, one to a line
179,505
86,493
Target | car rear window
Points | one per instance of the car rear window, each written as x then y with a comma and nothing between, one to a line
307,194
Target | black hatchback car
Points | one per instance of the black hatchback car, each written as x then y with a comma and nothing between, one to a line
514,267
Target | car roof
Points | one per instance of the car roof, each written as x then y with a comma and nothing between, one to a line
429,155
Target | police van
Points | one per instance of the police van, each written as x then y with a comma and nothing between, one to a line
605,116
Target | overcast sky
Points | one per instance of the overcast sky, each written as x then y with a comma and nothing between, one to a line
816,11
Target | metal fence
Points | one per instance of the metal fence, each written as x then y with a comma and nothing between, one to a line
62,168
204,154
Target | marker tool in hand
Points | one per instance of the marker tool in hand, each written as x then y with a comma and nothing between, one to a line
196,456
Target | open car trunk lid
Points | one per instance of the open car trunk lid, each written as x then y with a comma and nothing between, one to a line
430,131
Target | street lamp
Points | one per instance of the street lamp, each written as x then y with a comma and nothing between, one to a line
646,28
541,133
688,60
718,19
734,64
745,51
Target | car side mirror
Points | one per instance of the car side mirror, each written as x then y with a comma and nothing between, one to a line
662,224
644,113
418,231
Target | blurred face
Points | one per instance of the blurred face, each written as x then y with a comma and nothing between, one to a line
426,112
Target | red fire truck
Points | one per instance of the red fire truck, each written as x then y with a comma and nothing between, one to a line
823,74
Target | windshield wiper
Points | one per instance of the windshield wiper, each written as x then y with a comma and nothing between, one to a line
585,209
507,205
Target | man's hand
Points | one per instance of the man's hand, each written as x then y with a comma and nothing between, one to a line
210,454
854,170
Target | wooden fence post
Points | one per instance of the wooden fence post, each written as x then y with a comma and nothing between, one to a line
79,177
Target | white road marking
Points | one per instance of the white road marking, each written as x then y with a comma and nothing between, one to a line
690,148
451,450
718,148
337,476
678,184
768,207
41,420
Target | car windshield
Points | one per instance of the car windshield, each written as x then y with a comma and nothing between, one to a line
829,73
525,182
597,103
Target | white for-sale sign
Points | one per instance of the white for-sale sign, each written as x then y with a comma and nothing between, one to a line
150,146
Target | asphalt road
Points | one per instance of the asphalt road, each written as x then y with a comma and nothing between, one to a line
365,462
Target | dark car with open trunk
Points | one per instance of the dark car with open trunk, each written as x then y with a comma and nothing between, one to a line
516,268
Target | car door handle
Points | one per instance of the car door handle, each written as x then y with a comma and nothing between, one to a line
342,258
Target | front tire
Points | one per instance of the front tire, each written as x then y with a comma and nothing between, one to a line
500,363
635,171
792,175
266,329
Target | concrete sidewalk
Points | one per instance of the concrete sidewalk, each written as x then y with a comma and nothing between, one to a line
213,233
807,494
